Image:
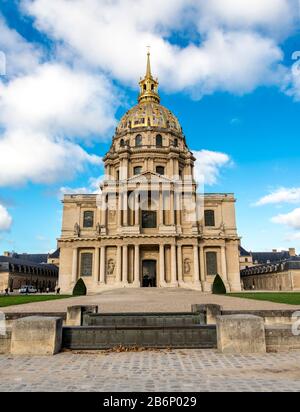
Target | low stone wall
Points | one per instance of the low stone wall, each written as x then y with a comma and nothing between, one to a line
281,338
271,317
143,319
5,342
11,317
106,337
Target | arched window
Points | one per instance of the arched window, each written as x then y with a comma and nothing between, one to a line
175,142
160,170
209,218
122,143
211,263
137,170
138,140
88,219
159,141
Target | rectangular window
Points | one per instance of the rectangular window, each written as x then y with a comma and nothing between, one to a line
211,263
209,218
86,264
88,219
149,220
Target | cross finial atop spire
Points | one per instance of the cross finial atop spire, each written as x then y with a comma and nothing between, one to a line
148,85
148,72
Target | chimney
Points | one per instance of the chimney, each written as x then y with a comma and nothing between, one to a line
292,251
274,250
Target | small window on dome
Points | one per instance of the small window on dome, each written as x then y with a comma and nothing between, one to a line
159,141
137,170
160,170
122,143
175,142
138,140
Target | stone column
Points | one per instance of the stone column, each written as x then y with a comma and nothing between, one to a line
125,208
102,264
136,210
162,279
119,216
172,208
173,266
137,282
179,264
119,265
104,212
161,208
202,270
224,267
196,267
125,265
74,266
96,265
178,210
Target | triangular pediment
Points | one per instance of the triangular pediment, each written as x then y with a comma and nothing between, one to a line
149,176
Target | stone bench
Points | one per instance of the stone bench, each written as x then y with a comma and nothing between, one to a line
241,334
36,335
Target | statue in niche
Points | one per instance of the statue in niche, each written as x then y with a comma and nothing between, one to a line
110,267
76,229
187,266
112,215
98,229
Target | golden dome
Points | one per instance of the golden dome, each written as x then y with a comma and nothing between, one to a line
149,112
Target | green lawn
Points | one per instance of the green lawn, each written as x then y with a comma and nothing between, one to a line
22,299
292,298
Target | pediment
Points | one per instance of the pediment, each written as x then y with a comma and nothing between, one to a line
149,177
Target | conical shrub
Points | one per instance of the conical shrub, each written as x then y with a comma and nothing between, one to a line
218,286
79,288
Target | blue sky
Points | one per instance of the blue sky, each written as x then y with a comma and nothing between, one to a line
225,69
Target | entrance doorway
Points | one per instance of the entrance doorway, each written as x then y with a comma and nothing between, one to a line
149,274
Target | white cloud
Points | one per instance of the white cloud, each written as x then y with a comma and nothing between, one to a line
56,99
291,219
208,165
93,187
270,15
27,156
5,219
281,195
41,114
231,59
20,56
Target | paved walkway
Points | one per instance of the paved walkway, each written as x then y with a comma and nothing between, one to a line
147,300
178,371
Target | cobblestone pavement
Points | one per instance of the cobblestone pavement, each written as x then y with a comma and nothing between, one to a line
147,300
178,371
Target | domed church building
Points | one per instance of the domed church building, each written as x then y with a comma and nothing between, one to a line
150,226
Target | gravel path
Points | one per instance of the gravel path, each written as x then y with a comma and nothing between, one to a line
147,300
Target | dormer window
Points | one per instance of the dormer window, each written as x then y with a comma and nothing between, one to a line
159,141
137,170
160,170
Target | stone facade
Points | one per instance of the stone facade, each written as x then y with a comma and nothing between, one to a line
149,226
281,276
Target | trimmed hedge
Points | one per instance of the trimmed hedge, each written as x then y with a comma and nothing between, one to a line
218,286
79,288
